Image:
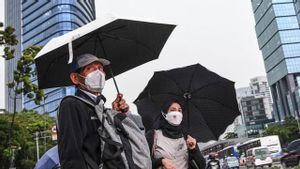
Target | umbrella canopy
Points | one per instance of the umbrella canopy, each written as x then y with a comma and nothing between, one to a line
209,100
49,160
126,43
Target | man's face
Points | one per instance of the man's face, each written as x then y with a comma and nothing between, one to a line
90,68
78,79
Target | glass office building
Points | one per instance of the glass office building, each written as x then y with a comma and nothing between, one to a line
43,20
278,34
13,18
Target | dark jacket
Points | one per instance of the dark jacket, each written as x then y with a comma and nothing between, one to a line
195,156
77,132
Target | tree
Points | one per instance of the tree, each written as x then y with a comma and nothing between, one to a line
230,135
8,39
27,123
22,75
287,132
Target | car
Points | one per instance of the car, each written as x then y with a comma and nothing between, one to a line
258,157
231,163
292,154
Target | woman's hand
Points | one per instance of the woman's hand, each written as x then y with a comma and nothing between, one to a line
191,142
168,164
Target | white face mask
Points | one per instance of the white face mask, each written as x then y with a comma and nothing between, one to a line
174,118
95,81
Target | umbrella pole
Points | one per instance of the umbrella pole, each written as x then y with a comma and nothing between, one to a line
114,79
110,69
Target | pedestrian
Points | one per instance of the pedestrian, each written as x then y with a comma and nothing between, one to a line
79,141
170,148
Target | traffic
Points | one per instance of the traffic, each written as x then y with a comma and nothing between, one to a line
263,152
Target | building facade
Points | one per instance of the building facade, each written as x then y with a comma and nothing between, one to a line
43,20
254,113
13,18
255,104
278,34
259,87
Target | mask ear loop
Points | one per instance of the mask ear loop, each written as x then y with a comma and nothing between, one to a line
83,78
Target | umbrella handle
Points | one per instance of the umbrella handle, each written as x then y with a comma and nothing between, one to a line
114,79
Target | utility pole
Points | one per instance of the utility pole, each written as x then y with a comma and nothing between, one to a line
297,119
44,111
37,146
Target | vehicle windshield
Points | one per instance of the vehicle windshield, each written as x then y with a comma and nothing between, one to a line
261,153
231,159
294,145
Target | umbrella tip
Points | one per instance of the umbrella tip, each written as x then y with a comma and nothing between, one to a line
187,95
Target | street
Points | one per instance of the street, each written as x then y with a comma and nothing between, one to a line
275,164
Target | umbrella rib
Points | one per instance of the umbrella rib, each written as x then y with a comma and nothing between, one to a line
210,84
191,80
206,98
157,94
111,36
203,121
176,84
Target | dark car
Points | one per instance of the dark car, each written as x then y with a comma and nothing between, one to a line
292,156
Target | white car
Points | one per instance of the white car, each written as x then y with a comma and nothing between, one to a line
258,157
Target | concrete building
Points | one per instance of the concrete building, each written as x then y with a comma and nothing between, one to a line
255,104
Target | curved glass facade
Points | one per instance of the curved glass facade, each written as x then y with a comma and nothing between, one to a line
278,35
44,20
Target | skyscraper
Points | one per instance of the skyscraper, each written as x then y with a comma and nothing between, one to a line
44,20
278,34
13,18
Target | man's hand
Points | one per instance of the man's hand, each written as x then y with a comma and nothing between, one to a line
120,104
168,164
191,142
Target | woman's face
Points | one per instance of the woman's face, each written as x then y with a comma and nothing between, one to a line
175,107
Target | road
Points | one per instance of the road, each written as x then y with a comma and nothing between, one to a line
276,164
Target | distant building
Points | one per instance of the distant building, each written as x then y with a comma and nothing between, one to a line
278,35
259,87
255,104
254,113
36,23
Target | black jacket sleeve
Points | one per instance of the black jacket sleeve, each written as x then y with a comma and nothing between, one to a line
150,139
72,129
196,158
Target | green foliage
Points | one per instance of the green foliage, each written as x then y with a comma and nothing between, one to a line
21,84
7,37
287,132
25,69
24,73
26,125
230,135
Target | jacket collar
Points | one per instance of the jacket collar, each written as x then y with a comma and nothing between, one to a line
85,96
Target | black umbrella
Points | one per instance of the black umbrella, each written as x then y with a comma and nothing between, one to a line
126,43
209,100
